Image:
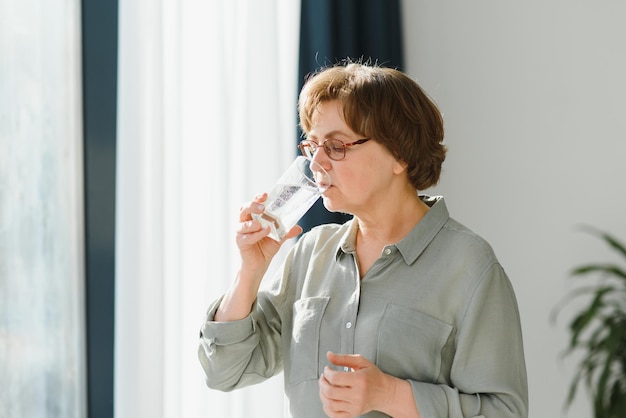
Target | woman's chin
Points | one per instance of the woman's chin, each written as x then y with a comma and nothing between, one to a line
331,205
328,203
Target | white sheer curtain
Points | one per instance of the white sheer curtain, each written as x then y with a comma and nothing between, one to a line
206,120
42,350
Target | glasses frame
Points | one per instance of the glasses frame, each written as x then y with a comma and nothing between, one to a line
308,146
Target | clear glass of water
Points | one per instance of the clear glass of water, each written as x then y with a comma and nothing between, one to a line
297,189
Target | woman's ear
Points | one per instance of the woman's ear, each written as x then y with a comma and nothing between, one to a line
399,166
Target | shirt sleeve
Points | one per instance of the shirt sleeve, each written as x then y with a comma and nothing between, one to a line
488,376
240,353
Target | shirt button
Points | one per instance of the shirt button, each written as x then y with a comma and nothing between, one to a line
387,251
349,325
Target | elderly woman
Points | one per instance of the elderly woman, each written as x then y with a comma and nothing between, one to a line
401,311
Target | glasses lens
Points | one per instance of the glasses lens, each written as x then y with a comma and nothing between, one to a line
335,149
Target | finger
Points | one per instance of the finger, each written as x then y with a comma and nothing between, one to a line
246,211
260,198
253,229
252,234
338,379
351,361
324,386
249,227
332,397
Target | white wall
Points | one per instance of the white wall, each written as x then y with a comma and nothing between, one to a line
534,100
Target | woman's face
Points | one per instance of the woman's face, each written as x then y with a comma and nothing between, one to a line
364,176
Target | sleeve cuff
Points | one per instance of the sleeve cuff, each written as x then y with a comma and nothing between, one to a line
226,333
442,401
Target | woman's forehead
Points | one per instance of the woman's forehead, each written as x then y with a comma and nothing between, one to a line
328,121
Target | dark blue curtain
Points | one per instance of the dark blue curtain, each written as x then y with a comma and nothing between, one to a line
99,37
335,30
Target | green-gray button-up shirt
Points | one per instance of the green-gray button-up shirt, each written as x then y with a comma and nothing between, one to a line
436,309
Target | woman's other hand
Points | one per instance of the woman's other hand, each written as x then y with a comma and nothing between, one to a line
361,387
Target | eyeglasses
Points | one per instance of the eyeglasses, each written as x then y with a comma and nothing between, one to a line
334,148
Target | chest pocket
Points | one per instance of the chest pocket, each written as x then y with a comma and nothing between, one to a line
304,351
410,344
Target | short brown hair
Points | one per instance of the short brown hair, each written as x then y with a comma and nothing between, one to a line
387,106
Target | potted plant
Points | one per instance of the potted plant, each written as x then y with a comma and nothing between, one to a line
598,332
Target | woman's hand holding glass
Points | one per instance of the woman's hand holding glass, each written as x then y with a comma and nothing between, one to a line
255,247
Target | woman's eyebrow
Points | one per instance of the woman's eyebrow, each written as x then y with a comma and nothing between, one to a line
330,134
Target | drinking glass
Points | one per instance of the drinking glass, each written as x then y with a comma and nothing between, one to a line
297,189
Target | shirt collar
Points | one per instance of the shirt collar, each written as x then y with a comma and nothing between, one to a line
416,241
347,244
426,229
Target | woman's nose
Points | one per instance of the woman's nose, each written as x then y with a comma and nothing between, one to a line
321,157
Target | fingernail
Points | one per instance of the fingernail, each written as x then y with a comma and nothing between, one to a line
259,206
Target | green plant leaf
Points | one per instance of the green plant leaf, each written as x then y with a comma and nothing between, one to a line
581,321
614,243
574,387
610,345
608,269
618,399
598,333
608,238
